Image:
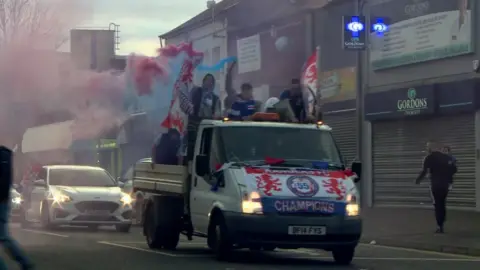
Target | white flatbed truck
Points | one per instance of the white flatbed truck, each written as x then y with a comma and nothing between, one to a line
234,195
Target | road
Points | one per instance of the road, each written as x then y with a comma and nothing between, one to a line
80,249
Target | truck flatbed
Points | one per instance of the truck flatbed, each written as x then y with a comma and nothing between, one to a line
158,178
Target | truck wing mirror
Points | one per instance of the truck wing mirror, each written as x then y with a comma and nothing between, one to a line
357,169
202,165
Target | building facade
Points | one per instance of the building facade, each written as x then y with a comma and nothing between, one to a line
422,87
337,75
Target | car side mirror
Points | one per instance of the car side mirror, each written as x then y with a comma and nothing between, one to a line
40,183
357,169
120,184
202,165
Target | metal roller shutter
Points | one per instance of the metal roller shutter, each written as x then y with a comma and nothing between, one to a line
398,152
344,129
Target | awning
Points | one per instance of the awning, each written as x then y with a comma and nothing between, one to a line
57,136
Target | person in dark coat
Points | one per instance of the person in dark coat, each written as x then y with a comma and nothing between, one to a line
441,168
166,148
6,175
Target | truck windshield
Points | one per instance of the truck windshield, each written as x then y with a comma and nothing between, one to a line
249,144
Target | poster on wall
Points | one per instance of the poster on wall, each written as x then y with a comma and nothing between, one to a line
421,30
249,54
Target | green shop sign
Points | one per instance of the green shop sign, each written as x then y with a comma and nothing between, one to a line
106,144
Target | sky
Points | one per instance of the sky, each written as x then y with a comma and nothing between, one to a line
141,21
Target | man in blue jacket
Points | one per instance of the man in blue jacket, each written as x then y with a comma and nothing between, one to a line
245,105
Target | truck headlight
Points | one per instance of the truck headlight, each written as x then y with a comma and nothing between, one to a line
251,203
126,199
352,209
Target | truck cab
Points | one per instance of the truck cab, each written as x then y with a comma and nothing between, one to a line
258,185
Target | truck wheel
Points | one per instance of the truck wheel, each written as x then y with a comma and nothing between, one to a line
150,230
343,255
170,210
218,239
171,241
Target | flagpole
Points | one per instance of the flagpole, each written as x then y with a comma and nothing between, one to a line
318,95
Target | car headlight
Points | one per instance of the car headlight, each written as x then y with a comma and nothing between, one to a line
251,203
17,200
60,197
126,199
352,208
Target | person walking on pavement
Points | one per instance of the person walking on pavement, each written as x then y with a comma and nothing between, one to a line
12,247
441,168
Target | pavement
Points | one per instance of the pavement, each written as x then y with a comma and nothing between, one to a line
81,249
414,228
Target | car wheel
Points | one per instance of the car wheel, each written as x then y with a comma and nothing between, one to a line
343,255
23,220
123,228
45,217
139,211
149,229
218,239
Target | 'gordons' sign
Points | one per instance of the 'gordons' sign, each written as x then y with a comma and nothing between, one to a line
412,105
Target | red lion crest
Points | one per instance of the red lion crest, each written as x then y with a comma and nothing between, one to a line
266,183
335,186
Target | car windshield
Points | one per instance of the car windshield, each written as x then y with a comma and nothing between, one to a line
81,178
247,144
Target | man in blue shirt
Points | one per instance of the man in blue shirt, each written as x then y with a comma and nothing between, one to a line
245,105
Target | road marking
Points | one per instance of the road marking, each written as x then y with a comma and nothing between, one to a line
46,233
397,259
148,250
437,253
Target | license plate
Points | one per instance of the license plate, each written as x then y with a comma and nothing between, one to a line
307,230
97,212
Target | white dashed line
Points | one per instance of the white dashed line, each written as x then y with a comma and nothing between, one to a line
46,233
148,250
421,251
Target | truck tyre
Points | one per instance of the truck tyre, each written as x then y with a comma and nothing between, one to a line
169,211
219,240
150,230
343,255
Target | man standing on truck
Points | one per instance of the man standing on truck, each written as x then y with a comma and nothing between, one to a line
245,105
441,168
297,101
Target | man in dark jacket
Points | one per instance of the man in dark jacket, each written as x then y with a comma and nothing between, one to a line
166,148
8,243
441,168
296,99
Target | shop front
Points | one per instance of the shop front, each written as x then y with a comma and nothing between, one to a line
341,117
403,120
97,152
337,89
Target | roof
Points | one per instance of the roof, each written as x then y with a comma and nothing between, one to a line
202,18
74,167
219,123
